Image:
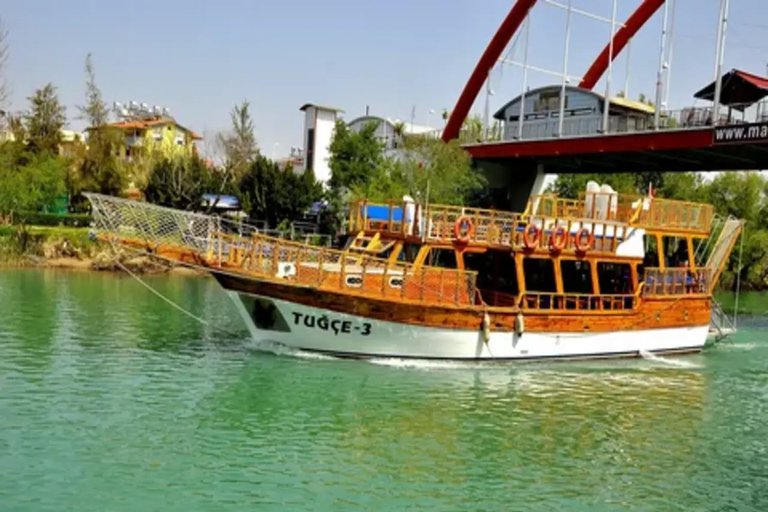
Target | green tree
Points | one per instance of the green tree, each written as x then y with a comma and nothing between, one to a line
99,168
94,112
4,87
45,120
571,185
240,148
32,186
275,195
354,156
181,182
427,170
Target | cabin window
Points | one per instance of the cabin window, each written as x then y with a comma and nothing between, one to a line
651,258
496,276
409,253
615,278
675,252
539,275
443,258
577,277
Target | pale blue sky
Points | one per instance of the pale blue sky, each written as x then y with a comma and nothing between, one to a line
199,58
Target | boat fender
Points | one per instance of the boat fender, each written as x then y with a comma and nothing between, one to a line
486,327
519,324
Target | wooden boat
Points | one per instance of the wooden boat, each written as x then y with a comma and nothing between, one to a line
565,279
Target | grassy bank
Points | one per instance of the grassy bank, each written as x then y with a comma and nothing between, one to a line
70,247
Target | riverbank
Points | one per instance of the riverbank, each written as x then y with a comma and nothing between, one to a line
72,249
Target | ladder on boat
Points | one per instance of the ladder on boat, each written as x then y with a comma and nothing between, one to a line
721,250
369,244
720,325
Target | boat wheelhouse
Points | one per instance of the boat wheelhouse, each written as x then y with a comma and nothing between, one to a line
604,275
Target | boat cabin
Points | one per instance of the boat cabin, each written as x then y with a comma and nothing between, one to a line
599,252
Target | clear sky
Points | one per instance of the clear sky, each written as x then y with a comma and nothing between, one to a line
199,58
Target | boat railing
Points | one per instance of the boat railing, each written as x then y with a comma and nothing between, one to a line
675,281
635,210
545,301
396,217
211,244
299,264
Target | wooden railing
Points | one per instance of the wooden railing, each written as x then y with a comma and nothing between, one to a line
328,269
539,301
639,211
397,218
494,228
675,281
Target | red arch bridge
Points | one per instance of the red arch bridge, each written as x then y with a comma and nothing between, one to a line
566,128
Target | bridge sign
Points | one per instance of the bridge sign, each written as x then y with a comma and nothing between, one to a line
734,134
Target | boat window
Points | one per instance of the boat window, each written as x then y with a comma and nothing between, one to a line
409,253
444,258
496,276
577,277
651,258
539,275
675,251
615,278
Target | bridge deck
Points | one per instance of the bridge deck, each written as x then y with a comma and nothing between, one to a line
688,149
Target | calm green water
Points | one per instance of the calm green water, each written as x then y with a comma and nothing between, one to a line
112,401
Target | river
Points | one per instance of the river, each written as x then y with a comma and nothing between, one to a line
111,400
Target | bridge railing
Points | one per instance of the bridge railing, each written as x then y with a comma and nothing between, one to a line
699,117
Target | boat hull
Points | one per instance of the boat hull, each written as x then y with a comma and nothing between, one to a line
346,335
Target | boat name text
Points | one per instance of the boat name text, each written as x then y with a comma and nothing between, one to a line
324,323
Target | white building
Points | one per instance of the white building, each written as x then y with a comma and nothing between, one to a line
387,129
319,122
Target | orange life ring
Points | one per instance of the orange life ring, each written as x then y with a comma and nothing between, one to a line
531,244
580,237
559,233
457,229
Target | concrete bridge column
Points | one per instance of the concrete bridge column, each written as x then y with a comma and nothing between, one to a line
513,182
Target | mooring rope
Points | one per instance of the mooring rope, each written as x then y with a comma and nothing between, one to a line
170,302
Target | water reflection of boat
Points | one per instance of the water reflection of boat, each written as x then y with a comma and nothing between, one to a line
564,279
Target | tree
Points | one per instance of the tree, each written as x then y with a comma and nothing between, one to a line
354,156
181,182
276,195
45,120
427,170
95,110
99,168
571,185
32,186
240,145
4,87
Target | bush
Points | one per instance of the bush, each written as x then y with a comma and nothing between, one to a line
74,220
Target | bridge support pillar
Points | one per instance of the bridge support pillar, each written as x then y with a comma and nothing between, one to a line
512,183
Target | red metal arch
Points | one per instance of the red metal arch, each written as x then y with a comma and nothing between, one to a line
504,34
634,23
486,63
